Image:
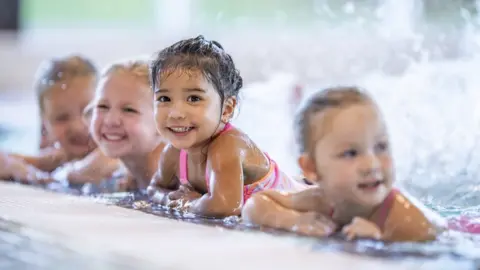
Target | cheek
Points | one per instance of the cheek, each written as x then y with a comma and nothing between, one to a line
160,114
96,124
57,131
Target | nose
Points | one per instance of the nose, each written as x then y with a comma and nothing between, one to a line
177,111
112,119
370,164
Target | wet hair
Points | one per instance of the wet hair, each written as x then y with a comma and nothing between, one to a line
334,97
138,68
61,69
206,56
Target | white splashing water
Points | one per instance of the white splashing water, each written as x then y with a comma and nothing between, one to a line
428,88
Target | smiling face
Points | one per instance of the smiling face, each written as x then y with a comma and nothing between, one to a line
62,114
352,159
188,109
122,120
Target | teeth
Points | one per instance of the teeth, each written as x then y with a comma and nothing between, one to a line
373,184
180,129
113,137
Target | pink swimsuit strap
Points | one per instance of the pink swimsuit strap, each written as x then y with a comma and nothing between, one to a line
184,160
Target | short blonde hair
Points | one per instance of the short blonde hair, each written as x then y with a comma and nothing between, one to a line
139,68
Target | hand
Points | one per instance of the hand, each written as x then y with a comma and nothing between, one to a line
25,173
361,228
314,224
181,197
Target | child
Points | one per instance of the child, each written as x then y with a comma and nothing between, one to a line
209,167
346,154
96,168
64,87
123,125
15,169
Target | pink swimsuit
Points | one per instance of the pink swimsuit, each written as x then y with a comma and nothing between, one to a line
274,179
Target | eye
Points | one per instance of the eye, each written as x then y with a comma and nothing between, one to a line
163,99
350,153
381,147
194,99
129,110
62,118
102,107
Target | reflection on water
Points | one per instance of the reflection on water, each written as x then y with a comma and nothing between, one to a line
452,247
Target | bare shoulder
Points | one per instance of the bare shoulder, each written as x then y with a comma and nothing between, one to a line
406,203
229,146
410,220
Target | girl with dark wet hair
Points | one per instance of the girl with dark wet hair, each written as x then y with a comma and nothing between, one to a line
208,167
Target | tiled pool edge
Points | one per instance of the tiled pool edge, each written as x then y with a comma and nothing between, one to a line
167,244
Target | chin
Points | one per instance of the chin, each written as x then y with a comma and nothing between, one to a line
112,153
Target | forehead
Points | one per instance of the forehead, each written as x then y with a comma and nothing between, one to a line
75,90
183,78
123,86
353,122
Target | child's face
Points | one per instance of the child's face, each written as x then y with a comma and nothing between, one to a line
188,111
352,156
122,121
62,115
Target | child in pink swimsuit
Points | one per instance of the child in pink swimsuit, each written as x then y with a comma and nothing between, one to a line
345,154
209,167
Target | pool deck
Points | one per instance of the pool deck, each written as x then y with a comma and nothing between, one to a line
160,243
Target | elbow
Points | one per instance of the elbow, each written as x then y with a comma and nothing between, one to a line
255,209
208,206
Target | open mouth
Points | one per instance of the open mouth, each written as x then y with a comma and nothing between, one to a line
113,137
180,131
371,185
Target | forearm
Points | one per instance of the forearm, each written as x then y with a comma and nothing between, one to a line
263,210
44,163
211,207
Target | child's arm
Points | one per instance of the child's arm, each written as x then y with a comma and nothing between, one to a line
164,180
48,160
16,169
225,195
410,220
303,212
94,168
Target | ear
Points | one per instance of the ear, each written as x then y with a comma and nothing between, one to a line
229,106
307,164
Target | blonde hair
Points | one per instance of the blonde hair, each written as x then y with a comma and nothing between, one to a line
333,97
61,69
138,68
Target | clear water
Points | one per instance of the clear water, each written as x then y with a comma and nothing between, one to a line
425,78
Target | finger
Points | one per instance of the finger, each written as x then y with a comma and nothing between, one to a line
346,229
350,236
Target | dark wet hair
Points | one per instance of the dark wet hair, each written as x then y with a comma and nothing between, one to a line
57,70
333,97
206,56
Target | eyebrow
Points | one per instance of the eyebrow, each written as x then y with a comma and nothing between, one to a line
163,90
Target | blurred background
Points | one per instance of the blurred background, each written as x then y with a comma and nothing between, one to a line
419,58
